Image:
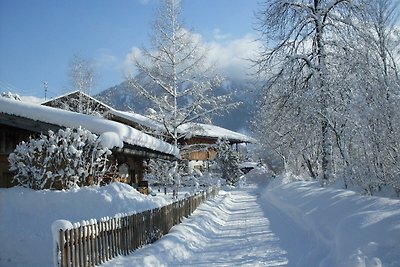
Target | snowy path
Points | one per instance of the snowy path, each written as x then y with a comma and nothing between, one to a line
230,230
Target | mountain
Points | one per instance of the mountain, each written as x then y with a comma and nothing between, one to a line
123,97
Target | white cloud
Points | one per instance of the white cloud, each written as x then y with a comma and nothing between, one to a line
232,57
144,2
105,59
218,35
229,56
128,64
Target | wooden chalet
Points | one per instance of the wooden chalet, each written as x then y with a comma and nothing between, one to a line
19,120
80,102
198,140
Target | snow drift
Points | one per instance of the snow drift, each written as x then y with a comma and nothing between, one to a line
336,227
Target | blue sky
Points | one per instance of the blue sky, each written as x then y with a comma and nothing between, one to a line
38,38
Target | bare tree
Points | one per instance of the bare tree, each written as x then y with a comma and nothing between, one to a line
82,74
380,37
175,75
331,104
299,38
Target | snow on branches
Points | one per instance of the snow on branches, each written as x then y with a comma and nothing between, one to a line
65,159
228,162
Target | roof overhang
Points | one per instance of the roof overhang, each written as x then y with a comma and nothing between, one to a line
43,127
27,124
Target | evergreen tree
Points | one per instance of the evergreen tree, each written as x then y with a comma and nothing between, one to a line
228,162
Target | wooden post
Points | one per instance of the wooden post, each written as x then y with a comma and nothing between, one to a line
102,242
106,242
89,247
68,257
62,248
79,245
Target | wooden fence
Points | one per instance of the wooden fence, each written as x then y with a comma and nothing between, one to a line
99,242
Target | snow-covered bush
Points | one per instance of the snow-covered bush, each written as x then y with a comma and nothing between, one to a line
64,159
228,162
161,172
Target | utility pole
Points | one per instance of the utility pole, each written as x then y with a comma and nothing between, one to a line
45,86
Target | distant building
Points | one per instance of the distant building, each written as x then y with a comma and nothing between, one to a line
199,142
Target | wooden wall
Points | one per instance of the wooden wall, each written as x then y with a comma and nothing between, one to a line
200,154
9,138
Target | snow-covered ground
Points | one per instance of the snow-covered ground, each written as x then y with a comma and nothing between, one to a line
26,216
275,224
262,223
332,227
229,230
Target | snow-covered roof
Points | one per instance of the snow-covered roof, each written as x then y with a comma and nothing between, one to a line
138,119
188,129
96,125
212,131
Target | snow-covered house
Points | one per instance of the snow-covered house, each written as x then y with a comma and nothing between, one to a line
197,139
80,102
19,120
199,142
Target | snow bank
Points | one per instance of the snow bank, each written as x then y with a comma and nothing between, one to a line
26,217
335,227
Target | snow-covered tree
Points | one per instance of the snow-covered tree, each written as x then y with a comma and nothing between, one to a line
82,75
380,39
228,161
64,159
330,105
175,74
159,172
300,38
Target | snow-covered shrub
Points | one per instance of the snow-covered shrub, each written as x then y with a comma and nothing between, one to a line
228,162
160,172
64,159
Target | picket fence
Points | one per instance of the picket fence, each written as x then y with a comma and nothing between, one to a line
96,243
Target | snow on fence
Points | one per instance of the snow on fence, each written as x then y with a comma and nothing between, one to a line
97,242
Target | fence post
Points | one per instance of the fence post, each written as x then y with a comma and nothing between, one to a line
61,247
